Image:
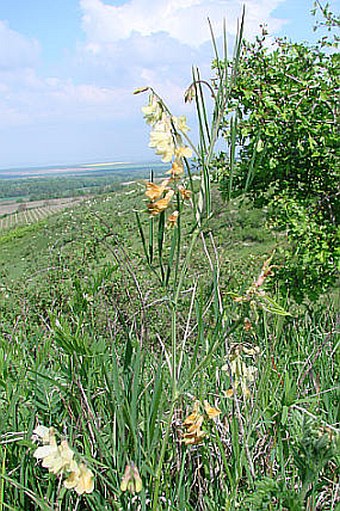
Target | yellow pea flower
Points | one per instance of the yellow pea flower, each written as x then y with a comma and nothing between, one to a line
47,450
131,481
177,170
153,111
180,123
192,418
172,220
228,393
154,191
194,438
165,150
211,412
161,138
241,372
80,478
195,426
72,480
59,460
183,152
193,434
186,194
43,434
157,207
85,483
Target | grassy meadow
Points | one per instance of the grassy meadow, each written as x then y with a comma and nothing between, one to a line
86,347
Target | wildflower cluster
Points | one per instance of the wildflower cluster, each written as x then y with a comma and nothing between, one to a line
59,459
165,136
242,374
193,434
160,196
167,140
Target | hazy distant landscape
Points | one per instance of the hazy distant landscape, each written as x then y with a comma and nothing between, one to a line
120,169
31,194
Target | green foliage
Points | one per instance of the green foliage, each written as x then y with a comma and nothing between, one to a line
313,448
329,20
310,260
71,357
285,105
273,494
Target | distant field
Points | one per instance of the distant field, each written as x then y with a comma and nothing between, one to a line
32,194
59,182
13,214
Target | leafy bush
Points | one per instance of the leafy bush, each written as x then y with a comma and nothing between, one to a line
285,108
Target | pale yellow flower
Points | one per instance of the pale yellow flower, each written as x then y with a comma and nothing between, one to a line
180,123
254,350
72,480
80,478
192,418
194,438
242,374
153,111
43,434
183,152
48,450
161,139
131,481
229,393
195,426
193,434
250,373
166,152
58,461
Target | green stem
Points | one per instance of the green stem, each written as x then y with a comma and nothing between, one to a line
2,485
155,506
174,350
185,266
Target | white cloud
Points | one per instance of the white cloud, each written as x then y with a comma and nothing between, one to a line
55,99
27,98
16,50
183,20
155,42
88,105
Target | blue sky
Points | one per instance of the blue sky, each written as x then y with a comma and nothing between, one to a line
68,69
